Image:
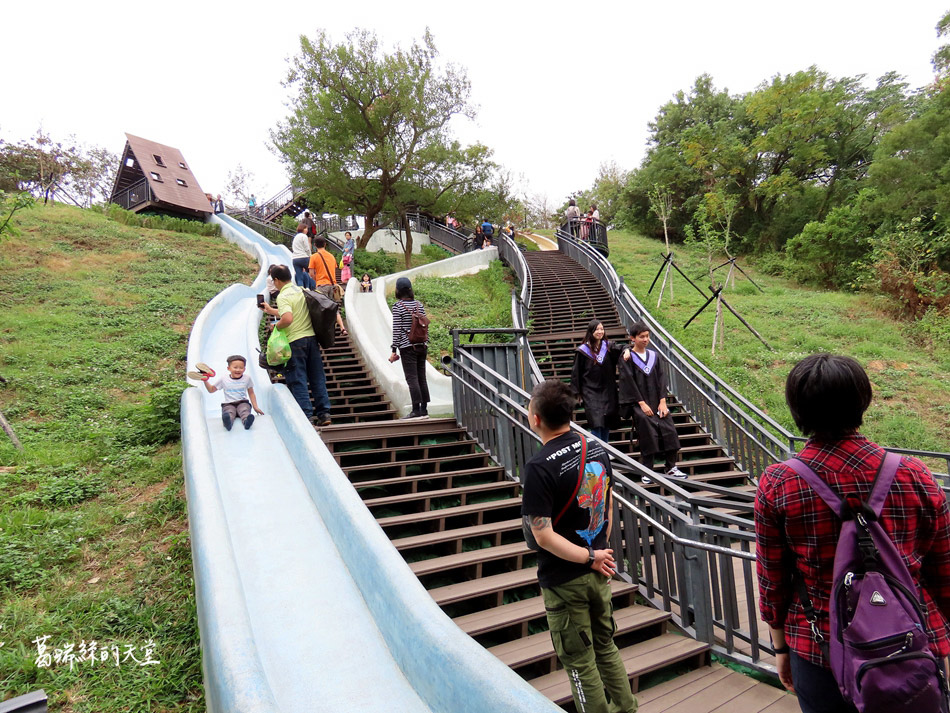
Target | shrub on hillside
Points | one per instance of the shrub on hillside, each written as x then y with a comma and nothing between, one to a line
376,264
160,222
830,252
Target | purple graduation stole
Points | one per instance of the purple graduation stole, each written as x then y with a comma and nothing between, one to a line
647,367
599,356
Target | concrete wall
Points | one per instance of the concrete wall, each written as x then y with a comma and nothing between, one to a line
370,323
386,240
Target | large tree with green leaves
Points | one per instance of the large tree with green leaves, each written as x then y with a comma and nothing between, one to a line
368,131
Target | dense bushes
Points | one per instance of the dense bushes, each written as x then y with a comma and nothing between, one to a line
160,222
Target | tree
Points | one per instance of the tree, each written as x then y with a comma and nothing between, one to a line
941,58
44,167
365,124
237,188
661,203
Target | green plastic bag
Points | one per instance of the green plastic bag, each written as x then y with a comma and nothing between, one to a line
278,348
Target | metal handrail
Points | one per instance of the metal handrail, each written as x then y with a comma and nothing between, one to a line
513,256
768,435
591,232
449,238
681,564
711,395
276,234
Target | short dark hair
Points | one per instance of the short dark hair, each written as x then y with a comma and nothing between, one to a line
828,395
306,214
554,402
280,272
237,357
348,233
319,242
637,328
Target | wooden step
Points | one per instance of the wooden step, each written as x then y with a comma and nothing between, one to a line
457,535
495,584
515,550
539,647
525,610
424,498
445,513
639,659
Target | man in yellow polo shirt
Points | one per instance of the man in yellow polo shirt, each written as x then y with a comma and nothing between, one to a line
306,362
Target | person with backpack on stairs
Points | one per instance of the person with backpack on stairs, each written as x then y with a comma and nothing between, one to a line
410,344
853,557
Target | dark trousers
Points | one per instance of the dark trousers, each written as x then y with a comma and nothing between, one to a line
816,687
413,360
301,274
306,368
602,433
668,456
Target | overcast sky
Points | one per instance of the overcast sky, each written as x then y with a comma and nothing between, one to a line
560,87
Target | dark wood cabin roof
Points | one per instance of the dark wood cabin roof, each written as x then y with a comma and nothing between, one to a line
175,189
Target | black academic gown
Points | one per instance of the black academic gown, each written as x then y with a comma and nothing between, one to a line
655,434
596,384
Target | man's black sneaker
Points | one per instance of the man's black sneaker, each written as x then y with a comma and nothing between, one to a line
248,421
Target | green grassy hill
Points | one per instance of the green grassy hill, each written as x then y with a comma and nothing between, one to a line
94,323
907,362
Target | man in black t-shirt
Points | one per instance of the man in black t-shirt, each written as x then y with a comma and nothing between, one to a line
566,503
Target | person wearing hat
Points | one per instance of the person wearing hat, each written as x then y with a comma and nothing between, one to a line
413,356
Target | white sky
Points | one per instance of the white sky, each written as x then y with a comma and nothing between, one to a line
560,87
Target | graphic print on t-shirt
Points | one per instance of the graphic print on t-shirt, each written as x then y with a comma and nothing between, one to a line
593,496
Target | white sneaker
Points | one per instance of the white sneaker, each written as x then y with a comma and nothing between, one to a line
646,480
675,472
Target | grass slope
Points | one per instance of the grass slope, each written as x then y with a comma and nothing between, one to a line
906,363
93,525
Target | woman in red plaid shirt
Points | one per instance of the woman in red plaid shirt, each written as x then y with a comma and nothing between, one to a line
797,533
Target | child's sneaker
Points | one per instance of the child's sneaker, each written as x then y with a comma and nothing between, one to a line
646,480
202,372
228,420
248,421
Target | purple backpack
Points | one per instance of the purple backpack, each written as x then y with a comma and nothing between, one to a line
879,650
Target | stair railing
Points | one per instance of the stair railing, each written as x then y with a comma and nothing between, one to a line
513,257
751,437
701,570
451,239
276,234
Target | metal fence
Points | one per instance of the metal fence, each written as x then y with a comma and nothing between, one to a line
449,238
753,438
747,434
279,236
592,232
513,257
136,194
686,558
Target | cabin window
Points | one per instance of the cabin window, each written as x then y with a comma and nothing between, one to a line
158,160
155,176
181,182
182,164
130,162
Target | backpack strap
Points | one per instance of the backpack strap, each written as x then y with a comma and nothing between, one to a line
883,481
580,478
838,506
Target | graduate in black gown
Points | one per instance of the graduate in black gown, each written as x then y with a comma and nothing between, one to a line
594,379
643,390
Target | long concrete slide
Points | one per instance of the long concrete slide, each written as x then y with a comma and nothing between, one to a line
303,603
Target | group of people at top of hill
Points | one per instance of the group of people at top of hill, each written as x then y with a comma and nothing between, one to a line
582,225
484,234
616,381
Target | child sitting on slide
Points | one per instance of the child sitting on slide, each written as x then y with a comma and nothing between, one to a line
238,390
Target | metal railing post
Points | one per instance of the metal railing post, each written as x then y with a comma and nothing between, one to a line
696,588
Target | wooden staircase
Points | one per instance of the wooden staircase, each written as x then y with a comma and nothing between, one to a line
565,298
451,512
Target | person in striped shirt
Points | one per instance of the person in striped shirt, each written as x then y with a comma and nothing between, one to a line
413,356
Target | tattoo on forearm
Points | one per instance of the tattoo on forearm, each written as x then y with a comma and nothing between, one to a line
538,523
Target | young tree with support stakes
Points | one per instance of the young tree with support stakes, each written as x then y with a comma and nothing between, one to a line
364,123
711,241
661,203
